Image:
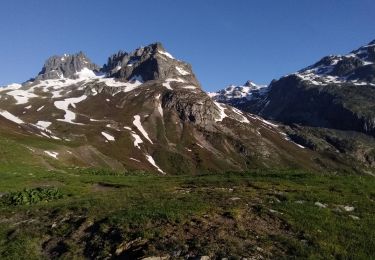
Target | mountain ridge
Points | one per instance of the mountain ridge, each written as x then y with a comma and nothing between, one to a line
145,110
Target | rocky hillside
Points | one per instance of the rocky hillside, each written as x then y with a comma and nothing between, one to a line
143,110
336,92
333,101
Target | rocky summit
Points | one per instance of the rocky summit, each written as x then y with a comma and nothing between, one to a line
67,66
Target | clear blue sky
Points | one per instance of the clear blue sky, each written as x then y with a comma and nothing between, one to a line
226,41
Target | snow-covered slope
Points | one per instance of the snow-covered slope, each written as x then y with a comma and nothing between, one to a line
356,68
240,93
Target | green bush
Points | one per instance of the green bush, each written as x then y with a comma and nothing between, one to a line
31,196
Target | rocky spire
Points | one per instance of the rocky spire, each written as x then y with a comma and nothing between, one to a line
152,62
65,66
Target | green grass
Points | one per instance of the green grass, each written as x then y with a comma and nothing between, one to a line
101,209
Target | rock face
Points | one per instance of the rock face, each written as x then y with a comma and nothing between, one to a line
336,92
66,66
150,63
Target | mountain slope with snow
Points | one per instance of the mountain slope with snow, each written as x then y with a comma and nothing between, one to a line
329,106
143,110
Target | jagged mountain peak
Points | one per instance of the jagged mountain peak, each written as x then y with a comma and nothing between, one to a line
241,93
152,62
356,68
251,84
66,66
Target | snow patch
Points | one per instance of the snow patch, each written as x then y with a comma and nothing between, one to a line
189,87
137,140
182,71
239,112
86,73
168,81
64,105
44,124
166,54
124,86
52,154
21,96
137,123
12,86
108,136
152,161
222,111
11,117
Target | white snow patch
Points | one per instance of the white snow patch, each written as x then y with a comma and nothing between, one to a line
12,86
239,112
124,86
21,96
64,105
222,113
137,140
45,135
44,124
189,87
137,123
108,136
52,154
86,73
131,158
166,54
160,109
28,107
168,81
152,161
11,117
267,122
40,108
182,71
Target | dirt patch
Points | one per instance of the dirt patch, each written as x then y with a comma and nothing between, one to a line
102,186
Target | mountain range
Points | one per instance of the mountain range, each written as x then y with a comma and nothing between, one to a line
146,110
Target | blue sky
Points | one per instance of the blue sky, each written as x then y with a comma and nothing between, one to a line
226,41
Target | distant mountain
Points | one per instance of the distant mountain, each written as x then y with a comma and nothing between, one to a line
330,105
336,92
242,93
142,110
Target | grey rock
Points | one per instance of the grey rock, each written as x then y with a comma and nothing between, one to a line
150,63
65,66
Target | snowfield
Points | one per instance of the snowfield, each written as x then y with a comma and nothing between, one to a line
108,136
11,117
137,123
64,105
152,161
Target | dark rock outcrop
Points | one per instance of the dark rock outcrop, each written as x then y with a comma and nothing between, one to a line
149,63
